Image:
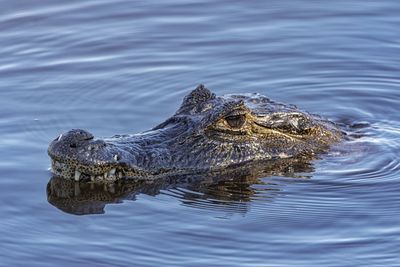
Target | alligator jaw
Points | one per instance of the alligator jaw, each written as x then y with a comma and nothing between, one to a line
65,170
78,155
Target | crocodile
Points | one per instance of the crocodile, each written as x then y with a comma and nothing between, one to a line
207,133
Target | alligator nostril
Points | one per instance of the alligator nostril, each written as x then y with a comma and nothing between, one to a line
87,138
73,145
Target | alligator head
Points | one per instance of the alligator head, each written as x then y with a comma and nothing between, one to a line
206,133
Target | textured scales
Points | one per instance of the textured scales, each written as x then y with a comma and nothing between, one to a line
207,132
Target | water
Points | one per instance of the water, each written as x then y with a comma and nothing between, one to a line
124,66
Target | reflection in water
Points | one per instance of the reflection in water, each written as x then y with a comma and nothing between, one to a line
222,190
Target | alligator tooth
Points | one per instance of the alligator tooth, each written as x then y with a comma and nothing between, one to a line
116,157
105,175
77,190
92,178
112,172
77,175
111,188
283,155
59,138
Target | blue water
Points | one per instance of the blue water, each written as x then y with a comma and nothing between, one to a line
115,67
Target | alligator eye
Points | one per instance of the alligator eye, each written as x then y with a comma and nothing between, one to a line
236,121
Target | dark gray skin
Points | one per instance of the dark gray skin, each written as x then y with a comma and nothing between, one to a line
206,133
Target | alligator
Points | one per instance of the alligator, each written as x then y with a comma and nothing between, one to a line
207,133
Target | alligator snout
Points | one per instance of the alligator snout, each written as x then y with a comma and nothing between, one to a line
75,136
77,151
77,142
81,139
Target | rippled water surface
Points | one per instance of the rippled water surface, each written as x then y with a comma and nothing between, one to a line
124,66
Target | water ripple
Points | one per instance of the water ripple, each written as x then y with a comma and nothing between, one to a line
124,66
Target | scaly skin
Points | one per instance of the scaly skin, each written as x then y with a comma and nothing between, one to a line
206,133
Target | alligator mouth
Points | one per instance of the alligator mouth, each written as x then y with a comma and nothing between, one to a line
81,172
78,155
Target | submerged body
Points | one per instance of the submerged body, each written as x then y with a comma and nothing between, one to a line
206,133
